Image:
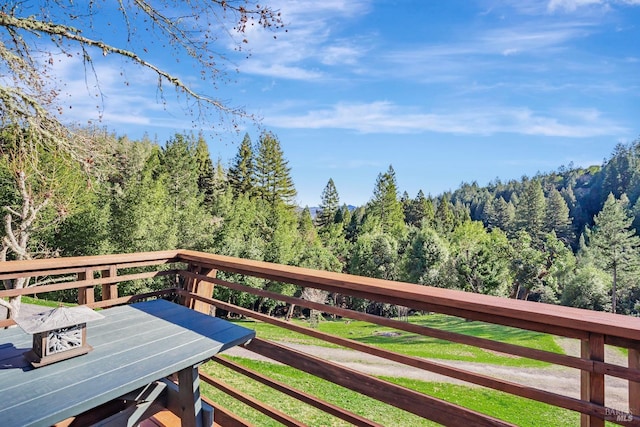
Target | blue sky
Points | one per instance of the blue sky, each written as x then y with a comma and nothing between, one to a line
446,92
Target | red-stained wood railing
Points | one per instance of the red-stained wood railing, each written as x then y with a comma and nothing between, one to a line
80,273
198,270
593,329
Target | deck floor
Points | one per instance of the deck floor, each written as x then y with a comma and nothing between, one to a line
161,417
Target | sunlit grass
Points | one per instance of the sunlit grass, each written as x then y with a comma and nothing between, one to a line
44,302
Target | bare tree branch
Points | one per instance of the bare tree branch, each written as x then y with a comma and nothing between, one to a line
70,33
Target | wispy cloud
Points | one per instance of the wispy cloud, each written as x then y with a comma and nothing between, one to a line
529,38
309,43
573,5
480,48
538,7
570,5
309,8
491,56
283,71
385,117
311,49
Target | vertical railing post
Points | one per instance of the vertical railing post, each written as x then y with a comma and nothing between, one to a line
634,387
110,290
85,293
202,288
591,383
189,284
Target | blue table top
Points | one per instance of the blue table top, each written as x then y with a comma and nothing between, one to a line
133,345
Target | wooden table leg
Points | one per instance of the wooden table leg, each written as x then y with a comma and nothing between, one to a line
183,399
189,401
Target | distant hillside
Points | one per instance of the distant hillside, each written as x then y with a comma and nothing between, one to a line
583,189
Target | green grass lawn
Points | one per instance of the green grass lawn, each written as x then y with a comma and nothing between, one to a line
44,302
504,406
418,345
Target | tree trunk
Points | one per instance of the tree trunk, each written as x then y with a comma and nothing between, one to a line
14,303
18,226
515,291
614,298
290,312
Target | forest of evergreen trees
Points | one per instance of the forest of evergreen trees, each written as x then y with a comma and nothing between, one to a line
565,237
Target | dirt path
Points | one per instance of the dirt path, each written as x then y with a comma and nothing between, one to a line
555,379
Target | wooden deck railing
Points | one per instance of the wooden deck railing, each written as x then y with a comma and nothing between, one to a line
195,275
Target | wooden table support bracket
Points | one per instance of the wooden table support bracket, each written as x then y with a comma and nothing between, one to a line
144,398
184,399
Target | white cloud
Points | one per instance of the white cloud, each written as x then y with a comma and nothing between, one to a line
570,5
499,51
530,39
282,71
510,51
573,5
385,117
538,7
295,10
309,42
312,48
335,55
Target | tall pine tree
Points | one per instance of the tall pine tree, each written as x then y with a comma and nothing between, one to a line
614,241
241,173
272,172
504,215
186,203
208,181
445,219
329,205
557,217
419,210
530,212
385,207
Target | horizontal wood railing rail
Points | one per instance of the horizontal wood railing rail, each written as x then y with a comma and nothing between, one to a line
593,329
97,262
78,284
79,273
223,417
411,402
